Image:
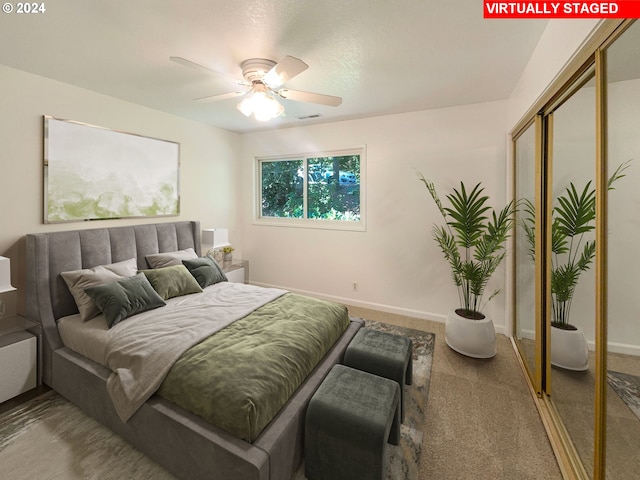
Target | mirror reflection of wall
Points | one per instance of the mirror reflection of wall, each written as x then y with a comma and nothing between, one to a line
525,172
623,303
593,412
573,150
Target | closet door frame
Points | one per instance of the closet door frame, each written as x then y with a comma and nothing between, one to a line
591,56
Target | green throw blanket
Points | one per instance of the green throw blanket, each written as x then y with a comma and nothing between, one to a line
239,378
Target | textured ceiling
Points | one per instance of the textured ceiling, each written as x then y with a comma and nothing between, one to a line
380,56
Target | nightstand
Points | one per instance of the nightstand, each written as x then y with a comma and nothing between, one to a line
237,271
19,356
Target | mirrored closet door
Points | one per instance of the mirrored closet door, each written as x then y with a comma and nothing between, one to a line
576,271
623,258
524,251
571,151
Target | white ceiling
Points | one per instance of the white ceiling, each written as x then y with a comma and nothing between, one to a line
380,56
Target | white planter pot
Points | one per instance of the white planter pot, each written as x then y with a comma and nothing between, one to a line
569,349
473,338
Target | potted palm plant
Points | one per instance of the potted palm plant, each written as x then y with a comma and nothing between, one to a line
572,219
473,243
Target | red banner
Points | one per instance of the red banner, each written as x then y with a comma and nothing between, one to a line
562,9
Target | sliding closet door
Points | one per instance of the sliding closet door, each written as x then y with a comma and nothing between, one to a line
587,276
524,301
623,235
571,315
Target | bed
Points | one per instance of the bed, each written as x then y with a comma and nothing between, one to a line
174,436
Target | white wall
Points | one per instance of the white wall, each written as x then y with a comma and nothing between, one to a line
574,161
559,43
555,49
557,46
396,263
624,222
208,175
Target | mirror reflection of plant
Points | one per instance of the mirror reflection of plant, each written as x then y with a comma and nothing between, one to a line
472,242
572,254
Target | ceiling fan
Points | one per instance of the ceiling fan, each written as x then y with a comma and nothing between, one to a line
262,81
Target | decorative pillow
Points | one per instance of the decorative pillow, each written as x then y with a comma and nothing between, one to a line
124,298
172,281
205,270
78,280
159,260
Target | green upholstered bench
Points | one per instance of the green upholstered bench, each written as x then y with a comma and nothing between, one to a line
384,354
348,422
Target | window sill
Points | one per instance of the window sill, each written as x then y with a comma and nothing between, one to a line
309,223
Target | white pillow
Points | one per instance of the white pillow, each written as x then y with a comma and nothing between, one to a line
169,259
78,280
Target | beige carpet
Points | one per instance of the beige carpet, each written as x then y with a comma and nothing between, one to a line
482,423
402,462
573,394
49,438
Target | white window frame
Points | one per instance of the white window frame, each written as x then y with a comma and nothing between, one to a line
311,222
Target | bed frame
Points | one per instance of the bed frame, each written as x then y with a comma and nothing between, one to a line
183,443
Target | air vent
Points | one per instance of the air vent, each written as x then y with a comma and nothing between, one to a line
317,115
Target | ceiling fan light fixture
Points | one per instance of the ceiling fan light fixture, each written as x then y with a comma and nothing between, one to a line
273,78
262,106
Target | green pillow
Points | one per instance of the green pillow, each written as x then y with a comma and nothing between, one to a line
205,270
78,280
172,281
124,298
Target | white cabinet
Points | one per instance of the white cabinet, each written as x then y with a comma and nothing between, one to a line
18,363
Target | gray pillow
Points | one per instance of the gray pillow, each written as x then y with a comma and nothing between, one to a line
205,270
167,259
172,281
78,280
124,298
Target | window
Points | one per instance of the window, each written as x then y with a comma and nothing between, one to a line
320,189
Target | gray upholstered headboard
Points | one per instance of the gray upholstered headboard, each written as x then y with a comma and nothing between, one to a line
49,254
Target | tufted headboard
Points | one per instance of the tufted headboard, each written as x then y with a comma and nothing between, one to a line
49,254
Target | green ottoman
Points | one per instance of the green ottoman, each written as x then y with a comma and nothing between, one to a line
348,422
383,354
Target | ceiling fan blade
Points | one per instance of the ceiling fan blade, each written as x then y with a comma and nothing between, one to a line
222,96
188,63
310,97
284,70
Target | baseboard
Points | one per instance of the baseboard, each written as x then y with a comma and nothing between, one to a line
612,347
615,347
434,317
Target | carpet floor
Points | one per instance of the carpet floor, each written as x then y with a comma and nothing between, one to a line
403,461
49,438
481,421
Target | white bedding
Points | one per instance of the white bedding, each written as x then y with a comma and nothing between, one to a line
141,350
86,338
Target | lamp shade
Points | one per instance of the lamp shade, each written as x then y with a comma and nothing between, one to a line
215,237
5,275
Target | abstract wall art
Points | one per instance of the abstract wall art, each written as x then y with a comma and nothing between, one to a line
95,173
